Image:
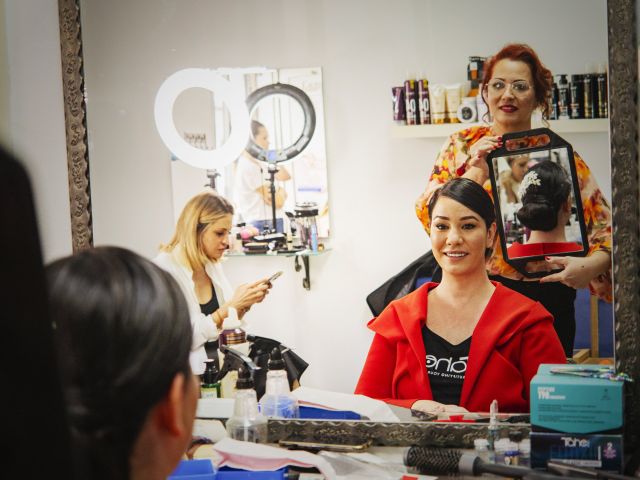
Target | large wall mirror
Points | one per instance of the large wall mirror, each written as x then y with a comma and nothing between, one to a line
277,123
128,164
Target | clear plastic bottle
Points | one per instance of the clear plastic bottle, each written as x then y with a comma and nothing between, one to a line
278,402
481,447
525,452
246,423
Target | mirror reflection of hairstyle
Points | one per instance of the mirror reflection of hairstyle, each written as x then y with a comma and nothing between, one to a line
540,203
197,215
122,333
541,75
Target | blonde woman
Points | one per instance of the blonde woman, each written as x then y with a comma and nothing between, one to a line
192,257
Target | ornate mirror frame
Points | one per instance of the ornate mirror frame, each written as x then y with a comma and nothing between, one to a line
623,108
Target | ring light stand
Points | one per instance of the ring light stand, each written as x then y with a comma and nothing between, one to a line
273,157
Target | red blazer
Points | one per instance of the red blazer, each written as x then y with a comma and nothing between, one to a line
517,249
513,336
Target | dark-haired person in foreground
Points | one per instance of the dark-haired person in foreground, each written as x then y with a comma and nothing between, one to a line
466,341
123,338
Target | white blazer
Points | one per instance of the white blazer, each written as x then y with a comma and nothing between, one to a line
204,327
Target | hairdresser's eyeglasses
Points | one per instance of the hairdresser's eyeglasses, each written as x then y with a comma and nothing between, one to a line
498,87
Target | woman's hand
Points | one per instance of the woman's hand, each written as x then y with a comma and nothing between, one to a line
431,406
248,294
478,170
577,272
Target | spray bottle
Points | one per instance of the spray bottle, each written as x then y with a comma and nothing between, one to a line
246,423
494,432
278,402
210,386
232,335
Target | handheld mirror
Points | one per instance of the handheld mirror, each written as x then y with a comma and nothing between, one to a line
537,199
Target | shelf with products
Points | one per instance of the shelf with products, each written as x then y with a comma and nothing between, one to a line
591,125
298,255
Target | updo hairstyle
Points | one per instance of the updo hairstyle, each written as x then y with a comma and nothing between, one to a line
542,199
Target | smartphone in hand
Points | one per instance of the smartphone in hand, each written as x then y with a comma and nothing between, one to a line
274,276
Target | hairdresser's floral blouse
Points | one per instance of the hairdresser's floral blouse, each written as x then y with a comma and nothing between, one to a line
597,213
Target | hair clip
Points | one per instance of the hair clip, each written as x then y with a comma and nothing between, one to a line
531,178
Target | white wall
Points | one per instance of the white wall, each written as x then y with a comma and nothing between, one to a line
364,47
36,114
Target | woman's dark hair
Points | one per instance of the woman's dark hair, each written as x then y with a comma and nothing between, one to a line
122,334
542,76
468,193
540,203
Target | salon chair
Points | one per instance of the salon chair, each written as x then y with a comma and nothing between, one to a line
406,281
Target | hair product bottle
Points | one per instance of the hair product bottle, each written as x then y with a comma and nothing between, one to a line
232,335
588,96
481,447
210,386
603,97
563,97
437,97
453,98
423,101
399,111
411,100
246,423
554,102
467,112
577,96
278,402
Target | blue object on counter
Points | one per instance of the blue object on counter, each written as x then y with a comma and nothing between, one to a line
203,469
229,473
568,403
199,469
324,414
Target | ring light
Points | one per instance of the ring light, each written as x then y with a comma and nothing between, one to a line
169,91
276,156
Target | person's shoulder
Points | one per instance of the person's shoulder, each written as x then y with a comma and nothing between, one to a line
472,134
403,313
214,269
518,304
414,298
165,260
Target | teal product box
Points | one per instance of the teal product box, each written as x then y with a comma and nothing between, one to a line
575,404
603,452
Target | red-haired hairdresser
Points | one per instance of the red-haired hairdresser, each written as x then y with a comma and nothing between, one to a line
516,84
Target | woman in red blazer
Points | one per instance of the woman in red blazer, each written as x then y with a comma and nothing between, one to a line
466,341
